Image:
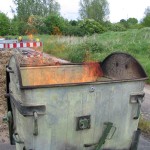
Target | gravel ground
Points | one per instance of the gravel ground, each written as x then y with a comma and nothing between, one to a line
4,58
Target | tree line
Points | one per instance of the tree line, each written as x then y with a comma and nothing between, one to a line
43,17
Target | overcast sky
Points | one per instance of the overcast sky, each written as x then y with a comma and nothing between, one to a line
119,9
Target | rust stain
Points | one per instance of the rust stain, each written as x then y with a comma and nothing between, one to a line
61,74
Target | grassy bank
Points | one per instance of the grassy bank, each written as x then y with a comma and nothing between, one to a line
97,47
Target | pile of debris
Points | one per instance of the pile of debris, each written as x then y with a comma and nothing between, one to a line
4,58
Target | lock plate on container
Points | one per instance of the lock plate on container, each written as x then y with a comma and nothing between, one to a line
83,122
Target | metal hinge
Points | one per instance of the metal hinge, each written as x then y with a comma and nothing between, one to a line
137,98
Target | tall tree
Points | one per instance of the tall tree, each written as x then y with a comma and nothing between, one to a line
146,19
4,24
94,9
147,11
26,8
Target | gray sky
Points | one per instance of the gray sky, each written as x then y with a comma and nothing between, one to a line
119,9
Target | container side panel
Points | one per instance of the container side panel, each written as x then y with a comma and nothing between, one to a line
43,140
51,75
75,110
88,107
118,106
102,111
57,117
106,103
25,130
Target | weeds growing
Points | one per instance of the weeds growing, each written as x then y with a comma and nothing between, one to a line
144,125
96,47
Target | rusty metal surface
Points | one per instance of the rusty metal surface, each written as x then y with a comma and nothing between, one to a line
122,66
117,67
35,72
51,75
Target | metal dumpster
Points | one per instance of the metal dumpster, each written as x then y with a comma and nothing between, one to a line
68,107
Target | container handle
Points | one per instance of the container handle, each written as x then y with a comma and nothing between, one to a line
35,132
104,137
9,69
138,110
17,138
137,98
102,140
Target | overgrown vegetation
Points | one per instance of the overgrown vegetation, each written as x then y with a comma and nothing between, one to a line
55,24
96,47
43,17
4,24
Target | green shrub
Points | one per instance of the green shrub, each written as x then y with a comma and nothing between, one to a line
146,20
73,31
22,28
77,53
132,21
36,24
90,26
84,52
82,28
14,23
4,24
137,26
117,27
55,20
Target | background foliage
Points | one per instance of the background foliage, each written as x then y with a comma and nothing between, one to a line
4,24
94,9
43,17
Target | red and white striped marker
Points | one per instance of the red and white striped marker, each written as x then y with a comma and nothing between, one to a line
21,45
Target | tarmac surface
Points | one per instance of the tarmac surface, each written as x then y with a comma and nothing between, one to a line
144,143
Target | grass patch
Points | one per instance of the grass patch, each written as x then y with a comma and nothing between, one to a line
144,125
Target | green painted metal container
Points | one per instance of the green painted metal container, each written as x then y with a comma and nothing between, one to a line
99,114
